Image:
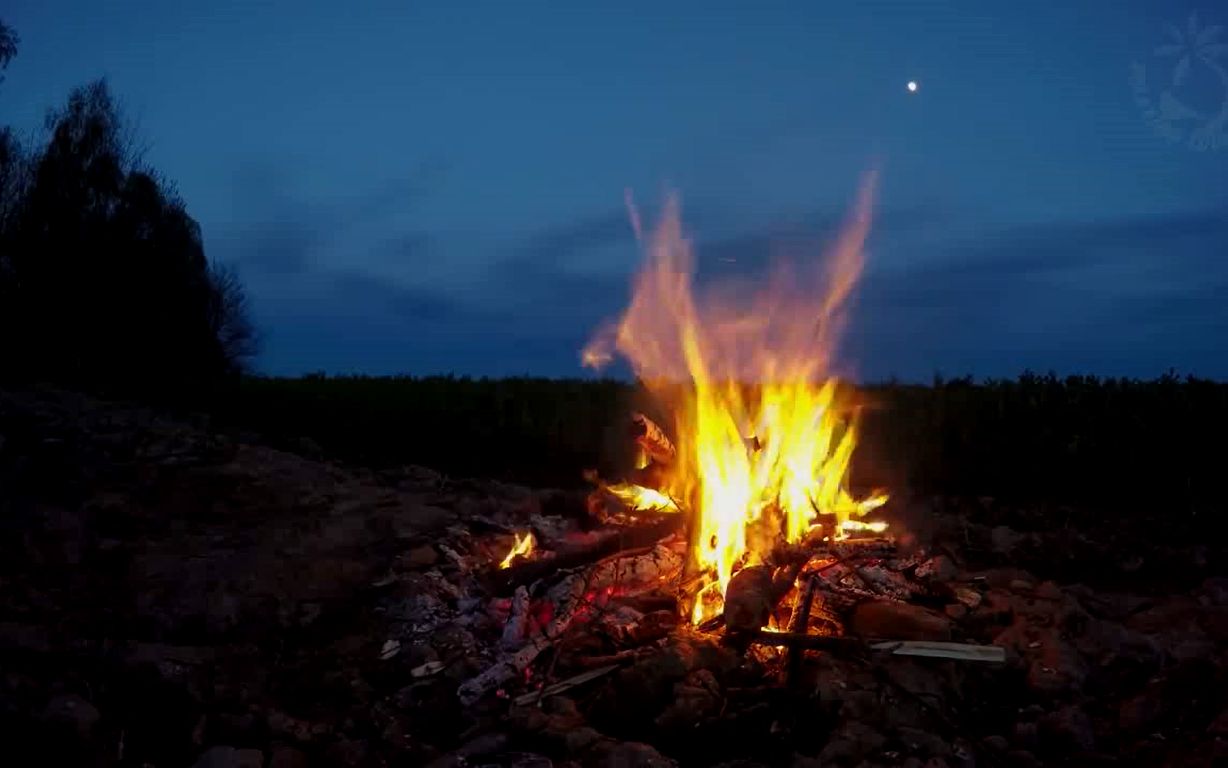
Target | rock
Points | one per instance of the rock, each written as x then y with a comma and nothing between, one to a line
939,568
229,757
924,742
72,714
421,557
1004,539
1048,590
421,519
899,621
1021,758
695,698
851,742
281,724
1140,713
996,743
749,599
1215,591
1069,726
348,752
967,597
287,757
580,739
631,754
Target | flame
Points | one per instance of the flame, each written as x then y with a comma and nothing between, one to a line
642,499
523,547
763,434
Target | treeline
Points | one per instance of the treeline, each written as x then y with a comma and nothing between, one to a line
104,283
1113,442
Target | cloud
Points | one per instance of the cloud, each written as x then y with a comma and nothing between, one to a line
276,231
1115,295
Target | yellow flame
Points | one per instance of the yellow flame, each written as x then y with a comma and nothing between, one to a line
642,499
523,547
739,362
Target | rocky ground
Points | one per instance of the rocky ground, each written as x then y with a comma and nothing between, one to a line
174,596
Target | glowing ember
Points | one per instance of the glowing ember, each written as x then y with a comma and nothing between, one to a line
523,547
763,435
642,499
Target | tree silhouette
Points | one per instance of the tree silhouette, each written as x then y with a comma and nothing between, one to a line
103,276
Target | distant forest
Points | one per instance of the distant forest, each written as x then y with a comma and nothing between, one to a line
104,282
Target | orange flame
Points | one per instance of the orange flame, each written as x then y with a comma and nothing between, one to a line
763,443
523,547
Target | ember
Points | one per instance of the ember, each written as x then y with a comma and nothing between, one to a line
763,434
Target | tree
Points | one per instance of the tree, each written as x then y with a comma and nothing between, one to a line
106,283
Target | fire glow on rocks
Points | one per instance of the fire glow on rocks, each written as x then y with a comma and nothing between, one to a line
763,434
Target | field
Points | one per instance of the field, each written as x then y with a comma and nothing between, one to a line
1140,446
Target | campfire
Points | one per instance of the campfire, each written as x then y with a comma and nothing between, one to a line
764,434
736,521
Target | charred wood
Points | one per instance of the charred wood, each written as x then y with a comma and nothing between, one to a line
613,542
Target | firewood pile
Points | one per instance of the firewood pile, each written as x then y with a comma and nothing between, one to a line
866,651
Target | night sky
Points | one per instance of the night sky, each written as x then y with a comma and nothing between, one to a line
438,187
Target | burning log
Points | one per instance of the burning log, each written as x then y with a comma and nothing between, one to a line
752,595
799,623
652,439
612,543
804,641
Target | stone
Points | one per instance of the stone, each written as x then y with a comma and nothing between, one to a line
229,757
695,698
748,600
281,724
1215,591
631,754
72,713
939,568
851,742
1021,758
899,621
996,743
1069,726
421,557
1004,539
1139,713
580,739
287,757
1048,590
924,742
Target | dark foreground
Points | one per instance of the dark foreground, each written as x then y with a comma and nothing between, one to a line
173,596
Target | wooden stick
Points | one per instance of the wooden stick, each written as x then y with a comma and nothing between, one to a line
616,541
564,685
799,624
652,439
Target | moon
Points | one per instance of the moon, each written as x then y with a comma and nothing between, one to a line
912,86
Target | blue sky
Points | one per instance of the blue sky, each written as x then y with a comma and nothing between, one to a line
438,187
